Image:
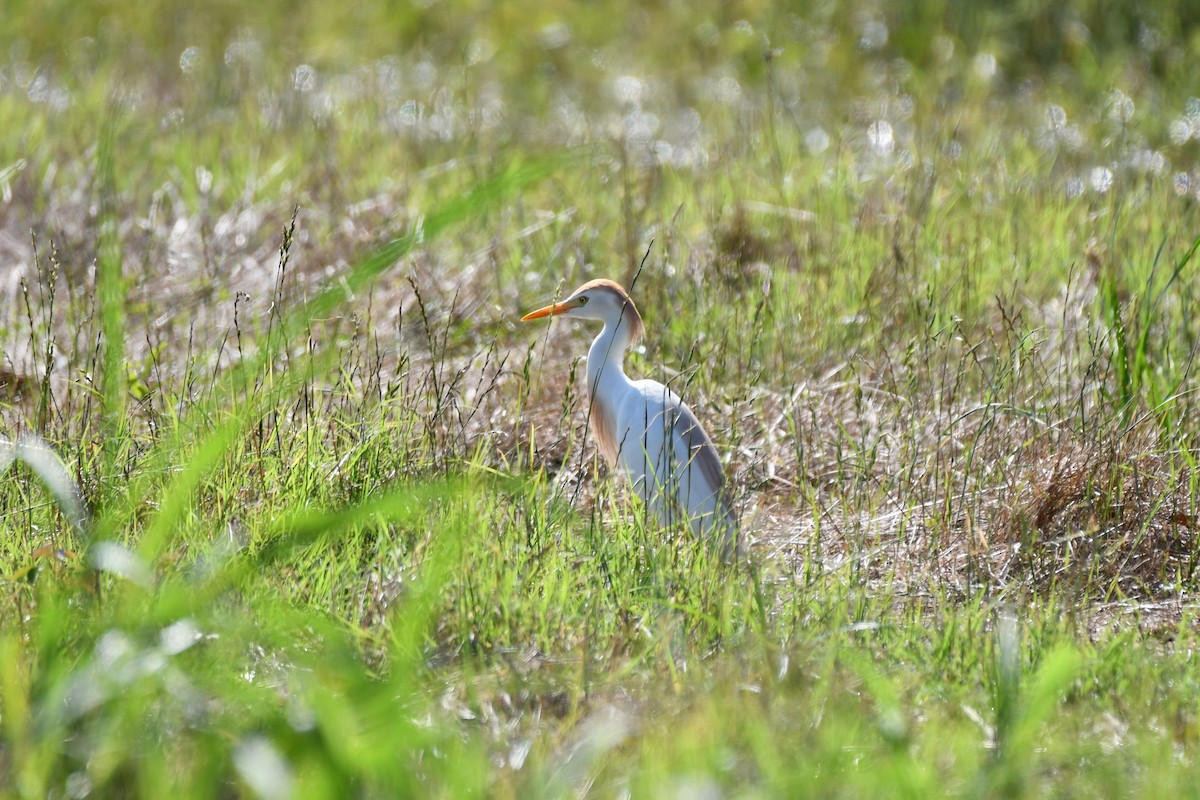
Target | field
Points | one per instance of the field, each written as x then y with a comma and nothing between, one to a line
294,506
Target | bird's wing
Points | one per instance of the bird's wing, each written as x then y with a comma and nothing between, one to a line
703,454
668,409
700,448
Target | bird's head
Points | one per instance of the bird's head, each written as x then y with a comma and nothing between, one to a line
602,300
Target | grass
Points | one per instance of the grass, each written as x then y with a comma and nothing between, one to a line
292,505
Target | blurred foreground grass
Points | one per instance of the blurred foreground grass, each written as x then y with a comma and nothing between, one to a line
926,272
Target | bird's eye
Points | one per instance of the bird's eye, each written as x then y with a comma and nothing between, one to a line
582,300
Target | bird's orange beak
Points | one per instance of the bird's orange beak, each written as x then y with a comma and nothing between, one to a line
548,311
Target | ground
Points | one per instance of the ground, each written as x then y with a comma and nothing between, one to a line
296,505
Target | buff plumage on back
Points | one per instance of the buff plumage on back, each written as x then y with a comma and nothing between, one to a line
631,317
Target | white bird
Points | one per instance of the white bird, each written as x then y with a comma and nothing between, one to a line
645,427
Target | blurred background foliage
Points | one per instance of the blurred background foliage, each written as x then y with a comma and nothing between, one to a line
538,42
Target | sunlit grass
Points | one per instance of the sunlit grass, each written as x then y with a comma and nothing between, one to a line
926,275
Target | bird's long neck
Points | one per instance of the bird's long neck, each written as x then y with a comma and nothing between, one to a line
606,378
606,358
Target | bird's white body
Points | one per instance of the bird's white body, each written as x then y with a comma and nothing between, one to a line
645,428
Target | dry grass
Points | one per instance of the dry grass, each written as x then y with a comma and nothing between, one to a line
929,467
938,319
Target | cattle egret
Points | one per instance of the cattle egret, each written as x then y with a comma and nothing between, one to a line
645,427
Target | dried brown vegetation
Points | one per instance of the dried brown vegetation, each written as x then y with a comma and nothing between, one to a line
926,464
